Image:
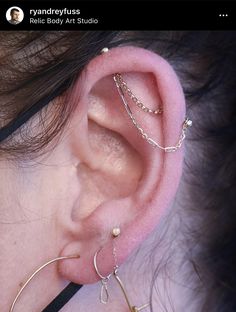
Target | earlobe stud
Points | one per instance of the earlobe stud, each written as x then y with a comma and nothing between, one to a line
115,232
104,295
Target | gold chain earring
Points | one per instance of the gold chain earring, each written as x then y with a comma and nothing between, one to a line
115,233
123,85
124,90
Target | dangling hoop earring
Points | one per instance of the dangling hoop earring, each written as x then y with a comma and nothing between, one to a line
104,279
35,273
104,295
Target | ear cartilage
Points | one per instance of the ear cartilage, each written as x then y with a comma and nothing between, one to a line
168,149
123,89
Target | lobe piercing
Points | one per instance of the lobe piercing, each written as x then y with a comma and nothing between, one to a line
115,231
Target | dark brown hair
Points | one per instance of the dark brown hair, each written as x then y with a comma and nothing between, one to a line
14,9
34,65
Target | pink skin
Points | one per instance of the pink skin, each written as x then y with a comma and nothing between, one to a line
139,213
100,175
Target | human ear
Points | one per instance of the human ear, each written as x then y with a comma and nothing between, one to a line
124,181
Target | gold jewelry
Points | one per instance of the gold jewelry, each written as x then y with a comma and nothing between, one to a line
124,89
104,50
115,231
104,295
131,308
117,278
35,273
120,81
187,122
122,84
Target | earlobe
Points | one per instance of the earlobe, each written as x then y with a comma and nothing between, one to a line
137,181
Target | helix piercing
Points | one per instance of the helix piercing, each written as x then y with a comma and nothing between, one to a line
187,123
123,89
123,85
120,81
104,50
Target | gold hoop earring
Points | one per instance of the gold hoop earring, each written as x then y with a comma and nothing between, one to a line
35,273
115,232
131,307
104,295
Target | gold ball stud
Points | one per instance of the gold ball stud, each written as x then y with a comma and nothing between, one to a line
115,231
189,123
104,50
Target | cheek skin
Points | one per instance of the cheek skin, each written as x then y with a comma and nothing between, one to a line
34,206
54,190
36,198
